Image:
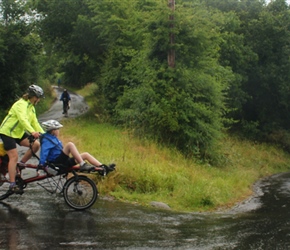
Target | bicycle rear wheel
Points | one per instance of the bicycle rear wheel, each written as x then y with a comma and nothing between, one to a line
80,192
4,187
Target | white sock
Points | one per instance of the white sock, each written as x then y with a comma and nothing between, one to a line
82,163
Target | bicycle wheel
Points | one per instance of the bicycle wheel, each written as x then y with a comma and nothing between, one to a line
80,192
4,187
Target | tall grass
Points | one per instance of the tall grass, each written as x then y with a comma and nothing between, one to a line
149,172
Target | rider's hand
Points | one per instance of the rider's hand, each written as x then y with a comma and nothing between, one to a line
35,134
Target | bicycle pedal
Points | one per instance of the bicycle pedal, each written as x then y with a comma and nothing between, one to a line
20,192
10,192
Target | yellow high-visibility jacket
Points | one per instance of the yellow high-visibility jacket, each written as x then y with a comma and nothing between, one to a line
21,118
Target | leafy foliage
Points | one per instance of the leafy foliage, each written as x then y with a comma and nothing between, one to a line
183,106
19,51
231,63
66,28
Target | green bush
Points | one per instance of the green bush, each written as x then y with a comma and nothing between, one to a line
185,112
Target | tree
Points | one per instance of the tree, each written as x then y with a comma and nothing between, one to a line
67,32
19,48
269,78
182,106
256,47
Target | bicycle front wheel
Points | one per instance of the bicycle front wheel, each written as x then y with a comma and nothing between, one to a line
80,192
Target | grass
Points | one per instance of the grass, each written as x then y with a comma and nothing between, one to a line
149,172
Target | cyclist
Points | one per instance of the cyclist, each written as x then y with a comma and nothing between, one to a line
52,151
15,128
65,98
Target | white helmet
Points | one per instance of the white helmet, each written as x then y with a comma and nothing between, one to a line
51,125
34,90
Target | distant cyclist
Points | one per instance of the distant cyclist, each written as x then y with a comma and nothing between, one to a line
65,98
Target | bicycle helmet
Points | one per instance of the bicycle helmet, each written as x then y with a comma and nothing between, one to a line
34,90
51,125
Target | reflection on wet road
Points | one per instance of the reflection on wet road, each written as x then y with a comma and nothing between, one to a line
38,220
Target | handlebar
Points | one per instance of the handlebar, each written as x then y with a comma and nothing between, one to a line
32,139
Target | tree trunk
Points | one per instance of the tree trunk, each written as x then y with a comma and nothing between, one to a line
171,52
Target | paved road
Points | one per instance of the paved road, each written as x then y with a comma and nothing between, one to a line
78,107
38,220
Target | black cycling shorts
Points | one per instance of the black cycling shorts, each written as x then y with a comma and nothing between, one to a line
10,143
65,160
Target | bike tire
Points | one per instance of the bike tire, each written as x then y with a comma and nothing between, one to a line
80,192
4,187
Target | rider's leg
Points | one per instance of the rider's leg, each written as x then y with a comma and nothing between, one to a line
13,158
28,154
70,148
65,103
92,160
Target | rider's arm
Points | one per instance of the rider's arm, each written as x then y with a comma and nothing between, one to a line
44,150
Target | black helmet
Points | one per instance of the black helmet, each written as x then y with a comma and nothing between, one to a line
34,90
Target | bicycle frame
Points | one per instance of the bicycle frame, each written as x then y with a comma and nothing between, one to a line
73,170
22,181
